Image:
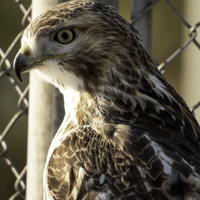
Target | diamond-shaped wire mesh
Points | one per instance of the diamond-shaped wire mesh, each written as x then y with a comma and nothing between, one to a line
14,94
13,103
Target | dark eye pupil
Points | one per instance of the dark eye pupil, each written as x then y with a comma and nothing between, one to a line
65,35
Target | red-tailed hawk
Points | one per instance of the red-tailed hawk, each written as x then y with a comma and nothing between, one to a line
127,134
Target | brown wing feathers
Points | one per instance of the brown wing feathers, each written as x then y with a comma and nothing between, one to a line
124,160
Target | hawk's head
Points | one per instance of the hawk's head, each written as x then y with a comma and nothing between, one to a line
85,46
77,44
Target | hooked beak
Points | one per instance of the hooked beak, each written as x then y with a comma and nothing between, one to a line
24,61
22,64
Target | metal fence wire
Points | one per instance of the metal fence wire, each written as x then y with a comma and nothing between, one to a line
6,74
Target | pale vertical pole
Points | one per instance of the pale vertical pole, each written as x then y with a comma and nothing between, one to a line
45,116
143,24
190,59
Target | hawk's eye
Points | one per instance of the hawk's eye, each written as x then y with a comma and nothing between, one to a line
64,36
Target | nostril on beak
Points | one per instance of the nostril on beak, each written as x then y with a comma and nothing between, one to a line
27,53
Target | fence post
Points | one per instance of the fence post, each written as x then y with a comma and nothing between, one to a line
45,115
143,24
190,59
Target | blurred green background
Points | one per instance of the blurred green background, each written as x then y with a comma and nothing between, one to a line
168,34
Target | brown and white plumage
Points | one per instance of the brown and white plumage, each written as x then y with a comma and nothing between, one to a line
126,134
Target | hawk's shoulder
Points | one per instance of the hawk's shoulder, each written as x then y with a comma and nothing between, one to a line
111,161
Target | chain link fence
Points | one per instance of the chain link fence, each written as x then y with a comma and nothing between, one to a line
9,132
8,81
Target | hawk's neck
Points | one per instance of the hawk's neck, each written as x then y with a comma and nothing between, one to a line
82,109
